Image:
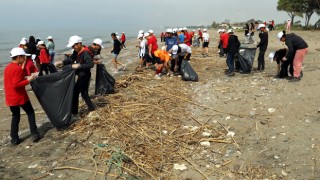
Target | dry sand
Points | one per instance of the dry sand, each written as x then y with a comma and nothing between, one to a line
278,145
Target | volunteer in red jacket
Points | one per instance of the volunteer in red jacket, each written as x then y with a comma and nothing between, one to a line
44,58
16,95
123,40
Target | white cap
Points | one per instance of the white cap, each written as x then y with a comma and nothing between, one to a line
230,31
175,30
116,33
180,29
140,36
271,56
184,28
146,34
261,26
223,30
123,32
280,35
140,32
40,43
98,41
169,31
73,40
49,37
219,31
175,49
23,42
150,31
18,52
204,30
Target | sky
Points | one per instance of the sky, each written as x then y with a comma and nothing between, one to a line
86,14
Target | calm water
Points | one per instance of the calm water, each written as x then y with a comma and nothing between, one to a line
11,38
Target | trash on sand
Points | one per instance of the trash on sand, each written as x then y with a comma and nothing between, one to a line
180,167
271,110
33,166
206,134
230,133
205,143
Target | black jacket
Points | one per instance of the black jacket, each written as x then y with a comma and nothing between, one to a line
264,38
233,44
116,46
294,43
85,60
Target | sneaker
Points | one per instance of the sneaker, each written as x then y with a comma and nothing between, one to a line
157,76
35,138
231,74
295,79
301,74
75,117
15,141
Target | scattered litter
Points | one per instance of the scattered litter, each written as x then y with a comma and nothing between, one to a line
284,173
227,118
165,132
33,166
205,143
276,157
206,134
271,110
180,167
231,134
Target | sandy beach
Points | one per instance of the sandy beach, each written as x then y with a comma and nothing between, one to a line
257,126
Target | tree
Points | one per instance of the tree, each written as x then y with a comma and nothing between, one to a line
309,7
292,7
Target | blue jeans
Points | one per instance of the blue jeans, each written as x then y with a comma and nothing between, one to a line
52,56
230,62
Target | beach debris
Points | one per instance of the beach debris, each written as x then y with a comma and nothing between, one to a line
276,157
32,166
271,110
284,173
205,143
164,132
180,167
206,134
231,134
227,118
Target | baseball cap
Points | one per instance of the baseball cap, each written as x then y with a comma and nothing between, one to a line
175,30
230,31
73,40
18,52
180,29
175,49
204,30
40,43
49,37
146,34
98,41
150,31
140,36
280,35
219,30
140,32
261,26
23,42
184,28
169,31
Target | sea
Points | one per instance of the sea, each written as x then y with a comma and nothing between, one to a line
11,38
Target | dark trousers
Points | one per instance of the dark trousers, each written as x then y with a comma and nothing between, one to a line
173,63
43,67
27,107
123,44
82,86
221,53
230,62
261,60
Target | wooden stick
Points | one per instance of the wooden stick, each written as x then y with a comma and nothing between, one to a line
216,140
194,165
81,169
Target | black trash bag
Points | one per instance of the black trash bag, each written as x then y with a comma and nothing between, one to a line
244,60
54,92
187,72
104,81
52,68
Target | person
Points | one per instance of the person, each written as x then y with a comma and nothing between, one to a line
191,36
187,39
44,58
297,50
115,53
50,46
282,66
231,50
123,40
246,29
152,47
162,37
263,45
142,49
164,57
181,36
32,46
200,38
179,52
288,25
171,40
16,95
81,61
95,49
224,37
206,41
252,28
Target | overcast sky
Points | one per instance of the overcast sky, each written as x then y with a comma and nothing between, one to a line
125,13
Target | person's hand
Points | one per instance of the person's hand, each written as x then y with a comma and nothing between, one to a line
75,66
58,63
284,59
32,77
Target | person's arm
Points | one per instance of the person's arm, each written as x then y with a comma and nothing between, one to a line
18,80
290,52
87,61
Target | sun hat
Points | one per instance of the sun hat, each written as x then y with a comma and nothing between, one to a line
175,49
73,40
49,37
261,26
150,31
40,43
17,51
280,35
140,32
146,34
23,42
98,41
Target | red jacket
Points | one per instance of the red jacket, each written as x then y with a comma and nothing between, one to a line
14,85
123,38
224,37
29,67
187,38
44,57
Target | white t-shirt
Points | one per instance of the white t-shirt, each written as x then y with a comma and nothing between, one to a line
206,37
142,47
185,49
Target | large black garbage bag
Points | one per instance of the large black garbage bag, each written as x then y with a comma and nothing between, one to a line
52,68
187,72
104,81
54,92
244,60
